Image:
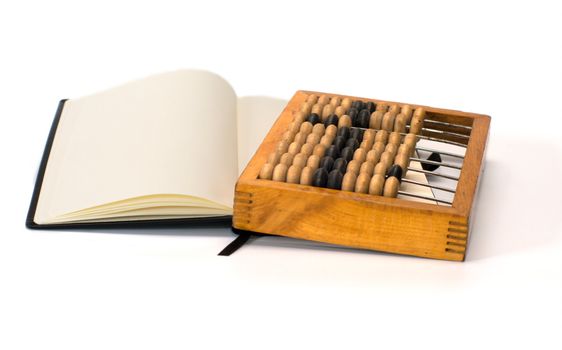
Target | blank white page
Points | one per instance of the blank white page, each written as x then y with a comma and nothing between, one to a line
256,116
171,133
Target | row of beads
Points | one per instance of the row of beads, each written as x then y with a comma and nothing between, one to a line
325,146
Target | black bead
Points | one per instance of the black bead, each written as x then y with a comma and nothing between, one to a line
343,132
347,153
371,106
320,177
396,171
339,142
352,142
327,163
341,165
333,152
358,104
363,118
356,134
314,118
334,180
353,113
331,120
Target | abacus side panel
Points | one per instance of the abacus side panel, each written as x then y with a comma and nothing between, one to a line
322,215
472,166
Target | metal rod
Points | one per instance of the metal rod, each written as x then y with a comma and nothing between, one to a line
424,197
448,124
434,174
429,138
440,152
448,165
462,136
428,185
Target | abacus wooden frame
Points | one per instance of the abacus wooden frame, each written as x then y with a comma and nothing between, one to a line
361,220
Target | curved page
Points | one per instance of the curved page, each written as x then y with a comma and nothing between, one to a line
173,133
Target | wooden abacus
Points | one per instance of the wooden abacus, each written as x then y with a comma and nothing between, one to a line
333,169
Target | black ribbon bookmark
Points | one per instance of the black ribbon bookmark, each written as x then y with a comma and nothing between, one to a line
238,242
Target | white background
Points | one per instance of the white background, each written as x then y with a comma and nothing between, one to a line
167,289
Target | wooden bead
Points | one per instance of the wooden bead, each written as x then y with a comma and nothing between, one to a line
400,123
312,98
319,150
280,172
416,124
306,128
306,108
391,148
295,147
313,139
300,137
323,100
319,129
366,144
287,159
326,111
346,103
294,174
344,121
383,107
406,149
313,161
288,136
407,111
411,139
307,149
369,134
394,109
381,136
376,120
348,182
391,187
335,101
377,184
360,155
394,138
294,127
317,109
362,183
381,167
379,147
353,167
283,146
339,111
403,160
387,157
274,158
331,131
326,141
367,167
373,156
299,117
420,113
388,122
266,171
306,176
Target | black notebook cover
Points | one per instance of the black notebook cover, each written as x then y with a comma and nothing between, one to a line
224,221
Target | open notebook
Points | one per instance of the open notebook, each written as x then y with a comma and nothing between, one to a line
166,148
